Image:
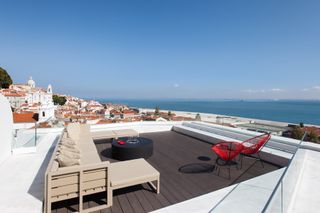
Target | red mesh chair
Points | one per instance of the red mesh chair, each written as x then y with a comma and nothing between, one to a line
226,151
253,146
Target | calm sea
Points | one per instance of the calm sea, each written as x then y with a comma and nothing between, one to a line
285,111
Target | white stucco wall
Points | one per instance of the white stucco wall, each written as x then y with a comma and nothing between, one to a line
6,125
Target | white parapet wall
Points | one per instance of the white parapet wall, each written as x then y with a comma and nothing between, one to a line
6,125
299,189
140,127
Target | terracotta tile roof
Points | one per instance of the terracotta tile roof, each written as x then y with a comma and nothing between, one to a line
14,94
312,129
115,112
105,122
181,118
24,117
127,111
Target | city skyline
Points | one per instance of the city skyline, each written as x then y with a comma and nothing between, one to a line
167,49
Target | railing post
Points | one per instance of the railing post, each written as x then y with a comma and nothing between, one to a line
35,134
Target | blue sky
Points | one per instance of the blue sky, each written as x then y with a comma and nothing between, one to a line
165,49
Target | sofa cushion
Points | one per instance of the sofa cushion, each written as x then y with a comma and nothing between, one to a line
84,129
126,133
126,173
68,141
91,157
55,166
104,134
69,148
73,130
68,154
65,161
66,144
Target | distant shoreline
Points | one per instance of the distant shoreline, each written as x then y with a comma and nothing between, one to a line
210,117
106,100
307,112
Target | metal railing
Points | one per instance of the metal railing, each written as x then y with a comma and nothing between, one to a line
277,193
25,138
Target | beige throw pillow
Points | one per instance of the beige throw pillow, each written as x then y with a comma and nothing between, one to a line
69,148
65,161
55,166
68,141
68,154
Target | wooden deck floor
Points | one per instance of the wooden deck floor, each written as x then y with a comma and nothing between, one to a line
174,155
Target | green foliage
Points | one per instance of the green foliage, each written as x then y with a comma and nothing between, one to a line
313,137
169,113
301,125
157,111
5,79
59,100
198,117
297,133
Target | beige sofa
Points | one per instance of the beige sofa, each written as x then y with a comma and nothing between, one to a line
76,170
114,134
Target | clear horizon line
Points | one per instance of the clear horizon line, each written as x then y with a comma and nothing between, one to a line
202,99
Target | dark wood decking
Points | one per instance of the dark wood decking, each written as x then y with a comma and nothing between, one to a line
172,151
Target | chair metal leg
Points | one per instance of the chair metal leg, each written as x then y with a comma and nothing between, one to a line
260,160
227,166
240,161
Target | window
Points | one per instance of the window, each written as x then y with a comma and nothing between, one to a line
43,114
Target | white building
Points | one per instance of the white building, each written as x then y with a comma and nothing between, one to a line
15,98
32,98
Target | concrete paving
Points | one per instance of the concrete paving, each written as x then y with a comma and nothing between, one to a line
22,178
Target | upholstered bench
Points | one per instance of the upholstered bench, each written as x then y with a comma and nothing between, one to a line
107,134
133,172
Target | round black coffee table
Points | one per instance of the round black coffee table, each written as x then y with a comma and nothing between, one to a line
128,148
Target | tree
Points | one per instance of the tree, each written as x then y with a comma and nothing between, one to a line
169,113
5,79
59,100
301,125
297,133
313,136
198,117
157,111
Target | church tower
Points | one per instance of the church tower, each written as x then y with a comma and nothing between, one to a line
49,89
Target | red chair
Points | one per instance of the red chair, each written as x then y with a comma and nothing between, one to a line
253,146
226,151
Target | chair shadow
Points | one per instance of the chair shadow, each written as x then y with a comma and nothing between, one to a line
204,158
196,168
36,188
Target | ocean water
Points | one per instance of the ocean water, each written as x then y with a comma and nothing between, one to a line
286,111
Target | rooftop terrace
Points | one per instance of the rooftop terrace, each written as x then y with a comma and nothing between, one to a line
185,164
179,148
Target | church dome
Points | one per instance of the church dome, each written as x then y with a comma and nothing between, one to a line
31,82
